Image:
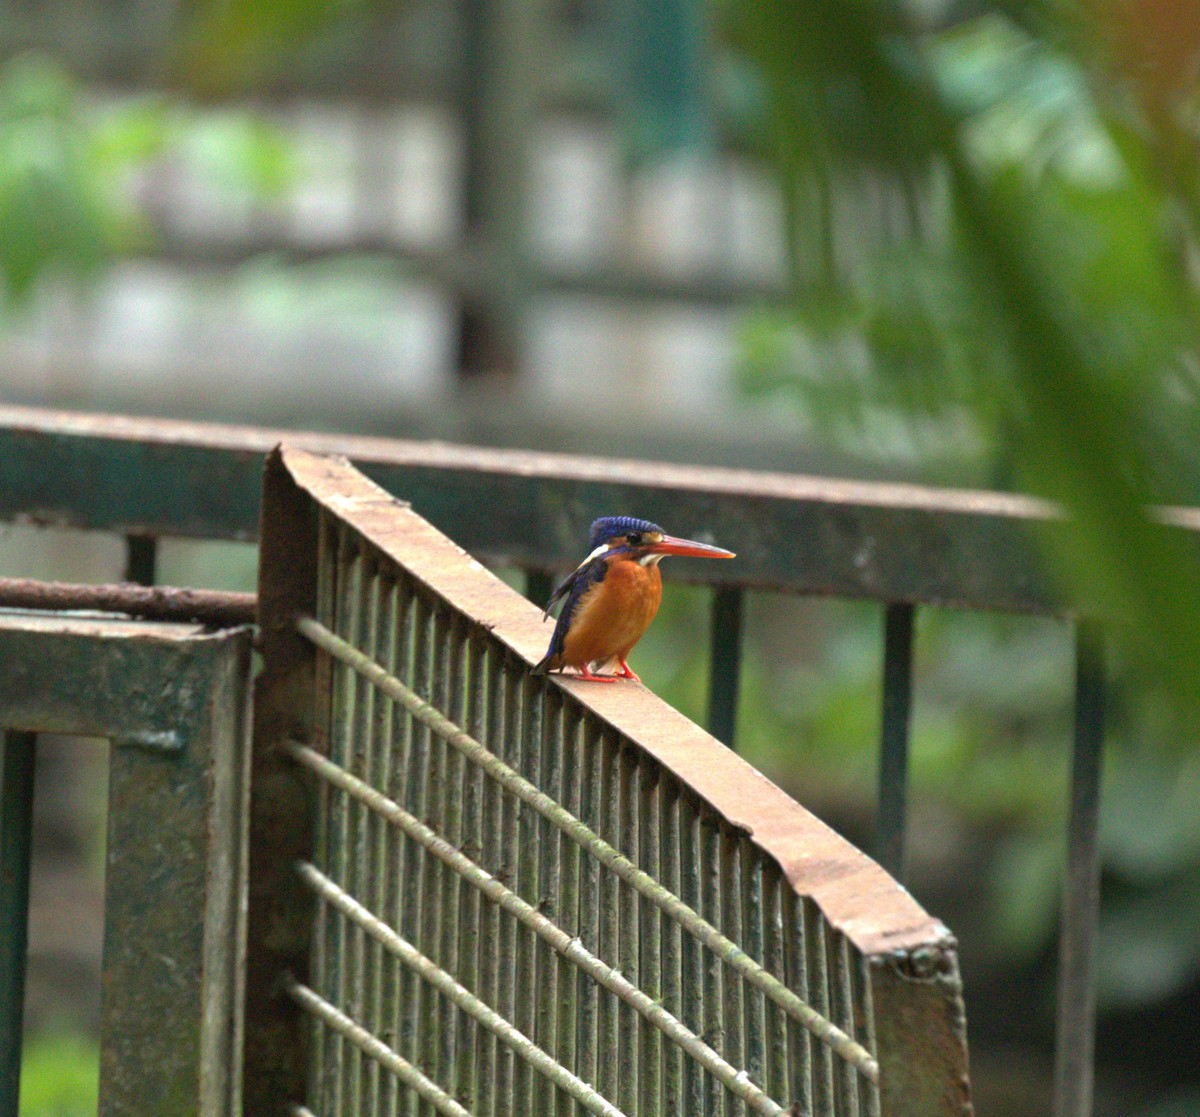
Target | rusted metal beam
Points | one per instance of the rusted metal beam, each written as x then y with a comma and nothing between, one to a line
279,908
217,608
172,699
893,542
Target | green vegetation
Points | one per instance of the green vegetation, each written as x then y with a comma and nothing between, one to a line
60,1075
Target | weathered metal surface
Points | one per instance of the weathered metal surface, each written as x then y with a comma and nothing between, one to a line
718,871
1076,1024
173,701
280,824
921,1029
16,829
806,534
136,682
160,603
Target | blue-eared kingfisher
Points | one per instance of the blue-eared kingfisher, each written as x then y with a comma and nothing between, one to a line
612,596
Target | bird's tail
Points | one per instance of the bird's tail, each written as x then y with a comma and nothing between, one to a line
545,665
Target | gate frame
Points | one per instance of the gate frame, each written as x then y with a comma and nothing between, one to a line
172,699
912,957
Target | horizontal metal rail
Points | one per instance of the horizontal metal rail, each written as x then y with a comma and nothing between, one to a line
160,603
874,540
731,954
445,984
344,1026
734,1080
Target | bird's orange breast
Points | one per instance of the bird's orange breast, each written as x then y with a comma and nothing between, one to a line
614,614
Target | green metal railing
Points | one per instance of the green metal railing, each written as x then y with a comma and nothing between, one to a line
535,899
903,546
172,700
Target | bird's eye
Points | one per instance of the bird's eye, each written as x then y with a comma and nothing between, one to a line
634,538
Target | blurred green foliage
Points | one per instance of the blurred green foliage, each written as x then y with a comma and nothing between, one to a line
69,167
60,1076
993,226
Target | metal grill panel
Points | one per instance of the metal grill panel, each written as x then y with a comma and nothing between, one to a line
521,908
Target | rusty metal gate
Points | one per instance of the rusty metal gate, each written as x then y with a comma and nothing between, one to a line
477,891
173,701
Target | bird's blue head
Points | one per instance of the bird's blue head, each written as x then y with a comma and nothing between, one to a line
608,528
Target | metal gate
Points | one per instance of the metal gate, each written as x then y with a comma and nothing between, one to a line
173,701
478,891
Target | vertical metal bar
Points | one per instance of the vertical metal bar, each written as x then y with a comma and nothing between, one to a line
451,794
509,826
731,925
714,972
500,45
590,902
670,844
610,895
649,807
529,886
435,1018
322,1040
797,946
842,1000
865,1032
775,1079
345,838
411,991
571,982
628,1048
753,933
539,585
141,559
893,752
549,882
692,955
1075,1037
492,853
725,663
362,759
469,1040
16,830
816,935
375,874
392,639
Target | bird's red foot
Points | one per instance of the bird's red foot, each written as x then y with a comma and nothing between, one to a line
588,676
625,671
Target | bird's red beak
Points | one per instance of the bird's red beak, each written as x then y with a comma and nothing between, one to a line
669,545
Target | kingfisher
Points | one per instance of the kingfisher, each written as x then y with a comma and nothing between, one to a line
612,596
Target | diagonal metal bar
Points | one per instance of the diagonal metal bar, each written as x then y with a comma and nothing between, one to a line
572,949
369,1045
729,952
445,984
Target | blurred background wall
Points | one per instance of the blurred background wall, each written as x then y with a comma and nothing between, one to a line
951,240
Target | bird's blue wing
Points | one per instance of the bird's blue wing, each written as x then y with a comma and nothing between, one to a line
560,591
573,588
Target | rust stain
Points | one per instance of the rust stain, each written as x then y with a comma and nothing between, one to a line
164,603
